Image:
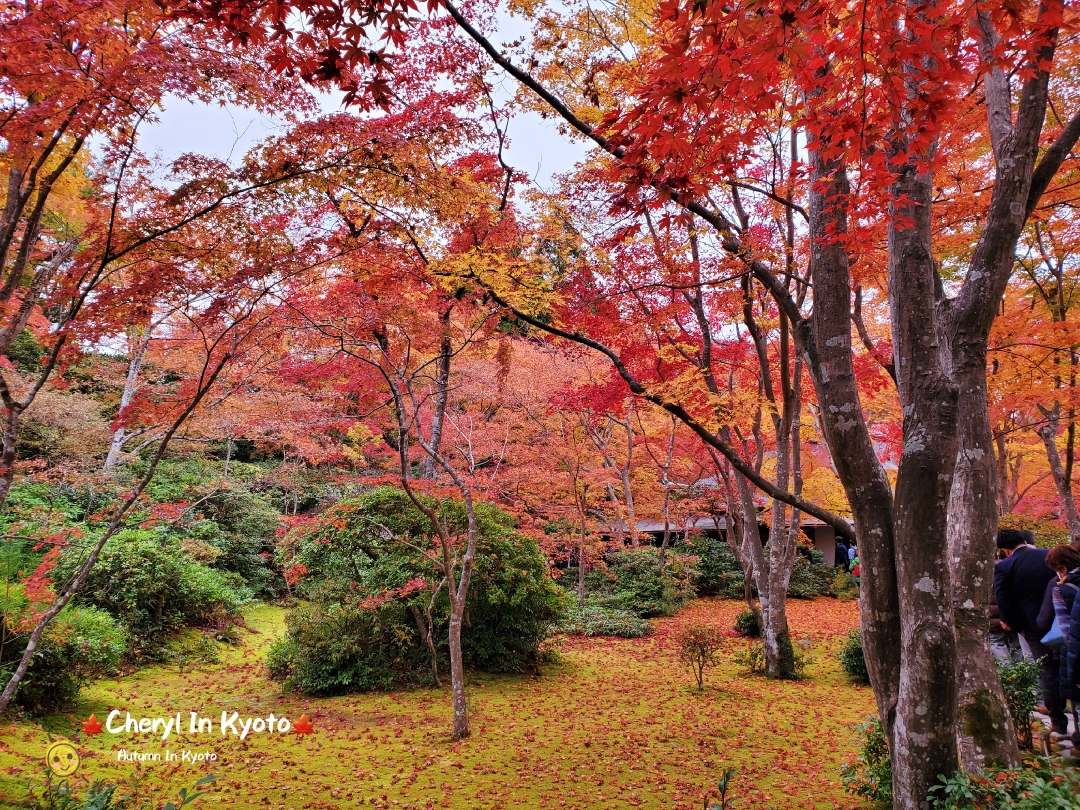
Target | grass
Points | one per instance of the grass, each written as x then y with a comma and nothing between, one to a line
614,724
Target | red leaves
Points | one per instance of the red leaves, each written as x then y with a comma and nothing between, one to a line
92,725
303,726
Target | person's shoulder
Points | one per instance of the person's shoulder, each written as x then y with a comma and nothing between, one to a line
1027,555
1003,565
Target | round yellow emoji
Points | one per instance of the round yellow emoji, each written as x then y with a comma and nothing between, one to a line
62,758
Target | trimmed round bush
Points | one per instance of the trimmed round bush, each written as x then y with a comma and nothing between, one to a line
153,587
852,660
370,588
748,625
338,648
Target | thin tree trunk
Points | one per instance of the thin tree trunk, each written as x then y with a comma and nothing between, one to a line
624,476
782,541
457,672
1006,492
458,591
423,627
735,540
131,385
666,471
779,660
430,469
581,562
1048,433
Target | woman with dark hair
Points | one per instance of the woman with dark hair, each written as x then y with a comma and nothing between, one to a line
1065,561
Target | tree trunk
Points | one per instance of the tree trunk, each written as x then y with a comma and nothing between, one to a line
131,385
457,672
581,566
924,745
1008,486
985,732
666,538
733,534
1048,433
429,469
826,340
779,654
624,476
666,471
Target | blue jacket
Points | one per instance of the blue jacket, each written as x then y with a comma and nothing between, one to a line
1020,585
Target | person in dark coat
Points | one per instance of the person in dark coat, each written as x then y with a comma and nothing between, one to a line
1004,644
840,557
1020,585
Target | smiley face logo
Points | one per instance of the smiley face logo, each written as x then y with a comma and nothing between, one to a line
62,758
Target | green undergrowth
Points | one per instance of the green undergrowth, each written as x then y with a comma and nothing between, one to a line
614,723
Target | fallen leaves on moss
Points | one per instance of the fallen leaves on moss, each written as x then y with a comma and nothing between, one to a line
616,723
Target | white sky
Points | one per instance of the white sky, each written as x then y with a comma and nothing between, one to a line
536,147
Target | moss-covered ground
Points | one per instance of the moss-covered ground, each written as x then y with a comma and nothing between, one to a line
613,724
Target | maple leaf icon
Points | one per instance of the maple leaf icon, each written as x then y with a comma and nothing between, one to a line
92,725
303,726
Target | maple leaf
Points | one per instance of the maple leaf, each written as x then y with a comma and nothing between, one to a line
303,726
92,725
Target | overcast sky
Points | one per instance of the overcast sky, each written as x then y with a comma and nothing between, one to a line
536,147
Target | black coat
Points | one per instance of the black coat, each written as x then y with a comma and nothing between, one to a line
1020,586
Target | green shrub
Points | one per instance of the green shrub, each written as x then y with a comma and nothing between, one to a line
240,527
748,625
870,775
25,352
594,620
338,648
1037,786
146,580
1019,680
717,571
809,579
637,586
513,605
80,644
852,658
844,586
362,567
